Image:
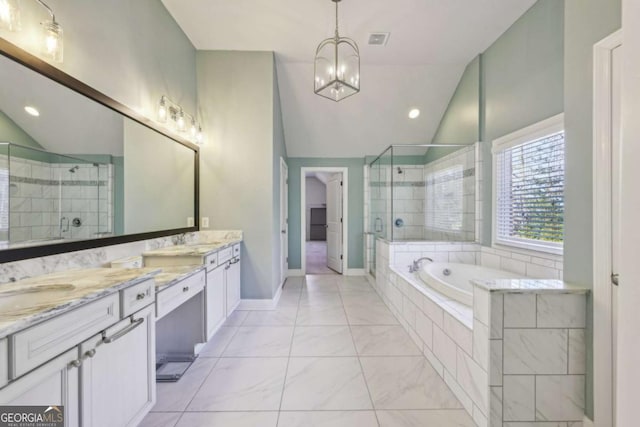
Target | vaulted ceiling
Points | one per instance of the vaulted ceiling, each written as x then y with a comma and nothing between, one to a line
430,44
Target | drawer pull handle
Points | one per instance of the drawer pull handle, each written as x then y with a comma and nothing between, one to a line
75,364
213,261
141,296
185,289
134,324
90,353
235,261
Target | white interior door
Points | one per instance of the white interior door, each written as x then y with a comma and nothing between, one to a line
616,147
284,220
334,222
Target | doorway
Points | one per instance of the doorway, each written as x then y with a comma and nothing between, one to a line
323,220
606,214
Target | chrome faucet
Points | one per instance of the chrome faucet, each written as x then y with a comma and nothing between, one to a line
416,264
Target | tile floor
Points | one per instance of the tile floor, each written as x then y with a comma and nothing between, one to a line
316,254
331,355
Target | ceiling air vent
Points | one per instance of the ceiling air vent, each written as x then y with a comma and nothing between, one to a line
378,39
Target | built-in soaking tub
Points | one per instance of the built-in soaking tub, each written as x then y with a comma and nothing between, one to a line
453,280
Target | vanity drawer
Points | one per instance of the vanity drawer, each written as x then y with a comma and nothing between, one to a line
4,363
225,255
211,260
137,297
174,296
43,342
236,250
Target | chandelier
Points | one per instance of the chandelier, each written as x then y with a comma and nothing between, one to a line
337,66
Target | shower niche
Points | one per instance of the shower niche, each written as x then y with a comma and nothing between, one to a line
47,197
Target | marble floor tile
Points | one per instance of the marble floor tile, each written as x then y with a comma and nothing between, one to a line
348,287
320,300
160,419
243,384
406,383
216,345
322,341
386,340
326,287
374,314
281,316
325,383
293,282
327,419
433,417
236,318
289,299
260,341
321,315
173,397
229,419
361,299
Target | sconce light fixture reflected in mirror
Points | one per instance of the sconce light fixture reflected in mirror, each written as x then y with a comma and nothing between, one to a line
51,41
170,111
9,15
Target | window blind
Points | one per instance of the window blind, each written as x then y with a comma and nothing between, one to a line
530,192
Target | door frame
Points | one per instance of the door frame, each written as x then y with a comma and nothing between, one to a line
345,213
602,236
284,220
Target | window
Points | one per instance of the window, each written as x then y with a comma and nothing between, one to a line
444,199
528,187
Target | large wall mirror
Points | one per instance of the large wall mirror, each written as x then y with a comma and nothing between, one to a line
79,170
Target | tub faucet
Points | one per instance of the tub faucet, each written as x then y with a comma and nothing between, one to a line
416,264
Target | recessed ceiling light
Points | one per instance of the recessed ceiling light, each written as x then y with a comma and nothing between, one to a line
32,111
414,113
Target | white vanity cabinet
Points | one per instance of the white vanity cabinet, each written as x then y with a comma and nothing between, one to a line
118,372
233,285
54,383
215,299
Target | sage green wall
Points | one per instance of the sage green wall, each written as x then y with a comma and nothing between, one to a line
355,191
238,174
522,81
460,123
11,132
586,23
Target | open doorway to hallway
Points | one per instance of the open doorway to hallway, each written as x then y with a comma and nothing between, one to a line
316,223
324,218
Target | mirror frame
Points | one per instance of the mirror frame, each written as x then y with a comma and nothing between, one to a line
34,63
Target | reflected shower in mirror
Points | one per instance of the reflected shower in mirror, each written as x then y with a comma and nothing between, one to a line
73,169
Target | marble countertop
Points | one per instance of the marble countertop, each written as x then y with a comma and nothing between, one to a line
530,286
193,249
171,275
34,300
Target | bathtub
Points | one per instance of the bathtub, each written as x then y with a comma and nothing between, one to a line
457,283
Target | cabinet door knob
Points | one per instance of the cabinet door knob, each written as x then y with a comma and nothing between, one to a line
91,353
185,289
75,363
140,296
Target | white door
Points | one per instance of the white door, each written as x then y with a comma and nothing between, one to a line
334,222
284,220
616,146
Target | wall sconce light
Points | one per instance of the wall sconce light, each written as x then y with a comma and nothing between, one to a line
51,41
9,15
170,111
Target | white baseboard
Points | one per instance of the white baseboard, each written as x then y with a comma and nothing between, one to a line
295,273
355,272
586,422
260,304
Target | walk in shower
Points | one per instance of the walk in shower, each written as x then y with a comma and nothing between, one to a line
422,193
49,197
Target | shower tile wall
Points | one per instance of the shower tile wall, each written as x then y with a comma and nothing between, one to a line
38,201
450,197
408,202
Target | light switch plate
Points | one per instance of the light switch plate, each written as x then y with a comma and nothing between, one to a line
205,222
190,222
